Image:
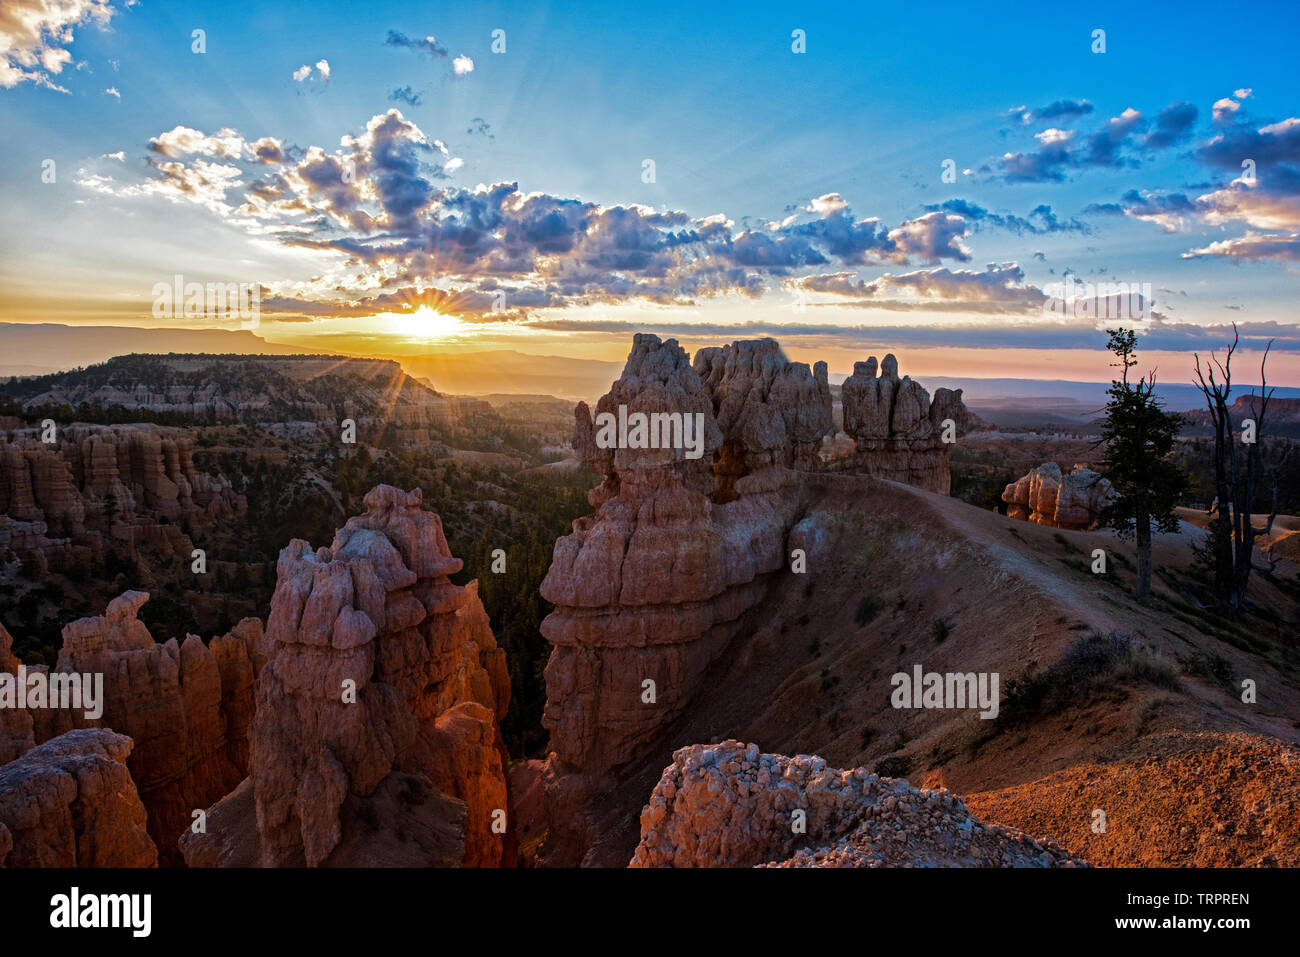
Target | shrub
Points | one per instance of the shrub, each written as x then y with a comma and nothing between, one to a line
868,608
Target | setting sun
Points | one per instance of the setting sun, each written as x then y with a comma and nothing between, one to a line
425,323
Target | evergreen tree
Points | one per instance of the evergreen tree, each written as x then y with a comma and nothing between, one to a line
1139,437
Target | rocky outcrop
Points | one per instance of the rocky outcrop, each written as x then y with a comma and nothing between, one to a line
728,805
650,589
898,430
375,738
70,802
17,734
1047,497
133,482
175,702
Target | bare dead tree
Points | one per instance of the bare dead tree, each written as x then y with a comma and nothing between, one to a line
1236,478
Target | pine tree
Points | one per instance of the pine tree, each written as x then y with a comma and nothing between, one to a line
1139,437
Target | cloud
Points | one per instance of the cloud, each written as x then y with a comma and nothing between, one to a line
999,289
322,70
378,211
267,150
1118,143
1252,247
35,36
1225,109
407,95
1173,125
204,183
1168,211
1042,219
1261,208
184,141
428,45
1063,110
461,65
112,91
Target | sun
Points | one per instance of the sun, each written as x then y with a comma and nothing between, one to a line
424,323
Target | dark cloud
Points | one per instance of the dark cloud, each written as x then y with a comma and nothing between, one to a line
1173,125
1119,143
428,45
407,95
1166,210
1059,111
1041,219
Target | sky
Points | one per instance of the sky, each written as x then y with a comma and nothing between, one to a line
552,177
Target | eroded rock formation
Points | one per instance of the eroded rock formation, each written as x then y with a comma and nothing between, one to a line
897,429
728,805
17,734
376,738
650,589
1047,497
185,706
70,802
133,482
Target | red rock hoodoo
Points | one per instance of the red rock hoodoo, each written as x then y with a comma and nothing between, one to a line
1047,497
376,737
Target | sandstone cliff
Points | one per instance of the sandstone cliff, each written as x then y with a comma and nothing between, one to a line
1046,496
71,803
375,738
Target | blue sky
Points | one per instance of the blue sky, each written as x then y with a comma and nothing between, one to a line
736,123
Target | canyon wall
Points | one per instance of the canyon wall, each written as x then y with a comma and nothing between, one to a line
133,482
